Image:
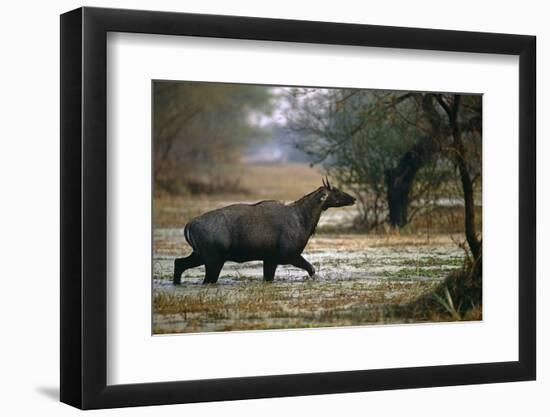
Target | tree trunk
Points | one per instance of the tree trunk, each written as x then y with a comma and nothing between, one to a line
474,243
469,207
400,180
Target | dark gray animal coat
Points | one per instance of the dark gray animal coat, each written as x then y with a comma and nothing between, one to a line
269,231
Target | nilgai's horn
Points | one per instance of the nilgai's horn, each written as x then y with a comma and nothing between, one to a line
324,183
328,184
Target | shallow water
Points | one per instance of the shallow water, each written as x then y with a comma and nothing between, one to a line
354,272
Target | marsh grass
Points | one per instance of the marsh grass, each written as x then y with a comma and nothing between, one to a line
272,306
340,297
457,298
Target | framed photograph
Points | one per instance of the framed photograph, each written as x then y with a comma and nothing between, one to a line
257,208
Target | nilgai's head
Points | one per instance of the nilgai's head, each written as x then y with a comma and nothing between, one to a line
333,197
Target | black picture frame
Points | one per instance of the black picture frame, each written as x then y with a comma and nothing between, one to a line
84,207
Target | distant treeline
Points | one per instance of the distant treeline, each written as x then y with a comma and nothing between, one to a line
199,128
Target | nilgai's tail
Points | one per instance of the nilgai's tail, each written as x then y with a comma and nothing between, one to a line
189,237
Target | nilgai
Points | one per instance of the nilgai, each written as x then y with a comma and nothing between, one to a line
268,231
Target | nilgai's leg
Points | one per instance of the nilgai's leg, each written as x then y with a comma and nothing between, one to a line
301,263
213,269
269,270
181,264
